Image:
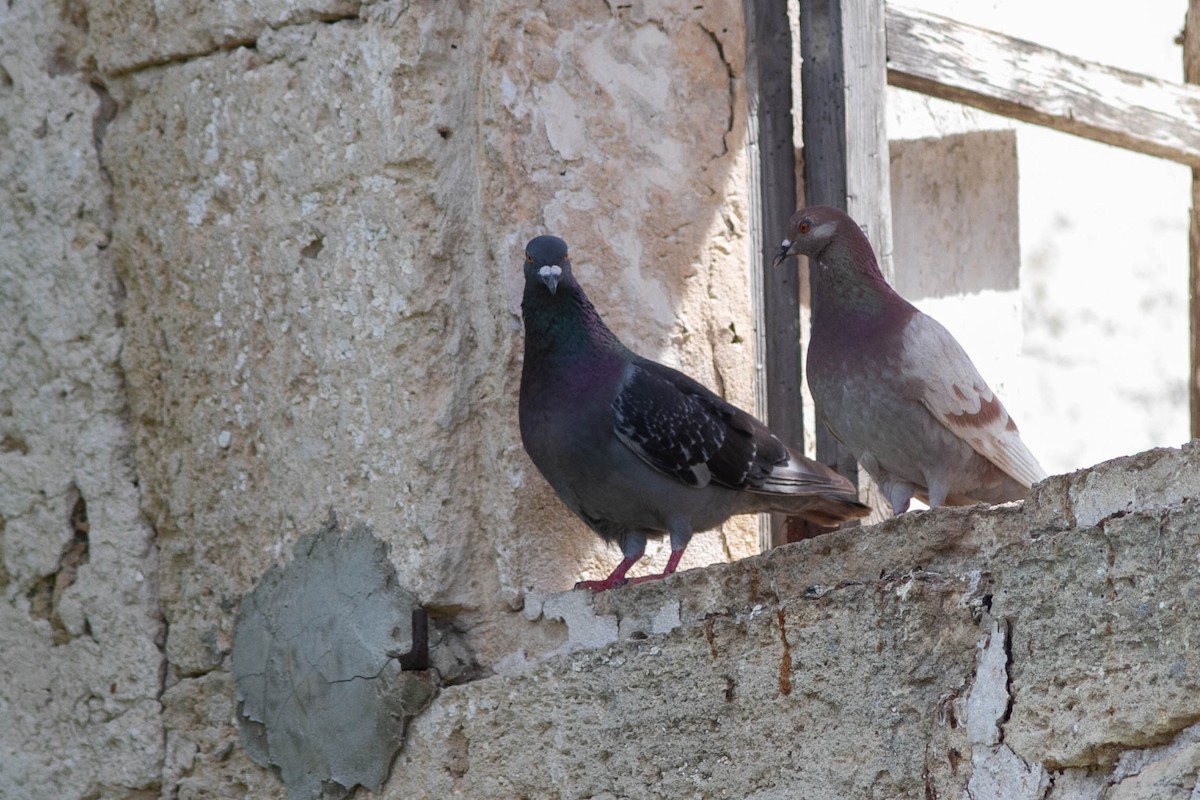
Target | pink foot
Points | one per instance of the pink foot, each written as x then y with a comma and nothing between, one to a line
601,586
617,578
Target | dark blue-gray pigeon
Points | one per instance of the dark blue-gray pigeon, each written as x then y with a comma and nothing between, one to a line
893,386
636,449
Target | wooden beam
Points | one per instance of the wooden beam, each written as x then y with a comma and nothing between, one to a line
846,160
868,166
823,112
944,58
868,161
1191,71
823,102
772,201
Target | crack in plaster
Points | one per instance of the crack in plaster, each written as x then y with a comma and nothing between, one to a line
729,122
1001,774
1006,644
172,59
998,773
46,593
231,43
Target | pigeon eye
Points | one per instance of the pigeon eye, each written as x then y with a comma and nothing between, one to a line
528,259
803,227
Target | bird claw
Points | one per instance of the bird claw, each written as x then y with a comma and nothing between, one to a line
617,578
604,585
646,578
612,583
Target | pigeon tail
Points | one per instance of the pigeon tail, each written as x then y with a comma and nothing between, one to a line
800,486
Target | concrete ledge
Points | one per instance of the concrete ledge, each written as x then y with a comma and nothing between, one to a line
1004,652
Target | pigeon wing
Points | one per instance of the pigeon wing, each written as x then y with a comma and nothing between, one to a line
679,427
954,392
670,430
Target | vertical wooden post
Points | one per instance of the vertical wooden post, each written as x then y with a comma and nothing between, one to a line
868,162
823,111
823,102
773,199
1191,73
844,83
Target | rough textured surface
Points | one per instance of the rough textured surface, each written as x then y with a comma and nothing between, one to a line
321,241
130,34
1104,637
318,648
977,652
299,291
80,629
734,706
298,225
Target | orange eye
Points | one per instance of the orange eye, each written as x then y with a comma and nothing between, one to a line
528,259
803,228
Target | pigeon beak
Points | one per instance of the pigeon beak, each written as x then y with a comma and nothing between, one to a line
550,275
784,252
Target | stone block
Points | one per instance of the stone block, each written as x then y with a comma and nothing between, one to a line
829,697
320,237
126,35
1103,636
80,626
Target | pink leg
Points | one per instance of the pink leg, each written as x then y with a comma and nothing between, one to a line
615,578
672,563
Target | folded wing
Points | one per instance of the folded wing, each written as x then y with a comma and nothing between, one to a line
679,427
957,396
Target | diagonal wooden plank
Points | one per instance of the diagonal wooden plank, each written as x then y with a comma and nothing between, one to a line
943,58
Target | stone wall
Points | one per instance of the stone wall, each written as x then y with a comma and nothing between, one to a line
1036,651
80,623
260,263
321,235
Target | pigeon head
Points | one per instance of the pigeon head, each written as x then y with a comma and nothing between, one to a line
546,261
810,231
846,277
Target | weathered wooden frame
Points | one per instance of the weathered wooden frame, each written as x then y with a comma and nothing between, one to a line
943,58
853,48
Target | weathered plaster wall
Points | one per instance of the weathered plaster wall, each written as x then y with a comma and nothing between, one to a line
320,236
80,624
262,261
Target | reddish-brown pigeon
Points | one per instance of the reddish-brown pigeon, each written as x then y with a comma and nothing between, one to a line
637,449
892,384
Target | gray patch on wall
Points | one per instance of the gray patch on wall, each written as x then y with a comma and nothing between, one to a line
319,658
